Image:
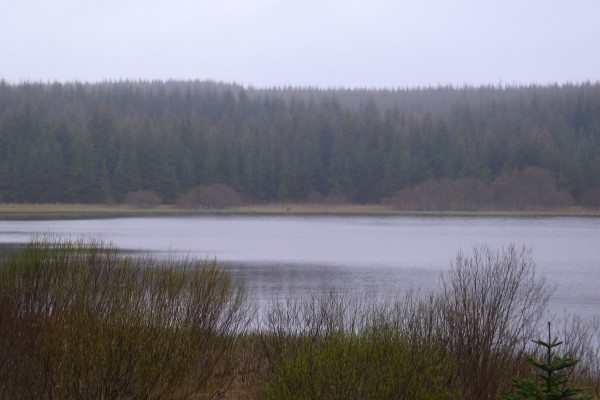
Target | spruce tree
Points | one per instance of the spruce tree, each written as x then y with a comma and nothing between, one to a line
552,382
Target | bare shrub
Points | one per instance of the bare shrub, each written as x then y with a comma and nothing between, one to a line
10,344
142,199
531,188
591,198
297,321
491,302
419,318
315,197
582,342
445,194
216,195
478,328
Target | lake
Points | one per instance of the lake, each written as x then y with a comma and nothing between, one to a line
384,256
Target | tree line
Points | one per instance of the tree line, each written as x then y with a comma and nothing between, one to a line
99,142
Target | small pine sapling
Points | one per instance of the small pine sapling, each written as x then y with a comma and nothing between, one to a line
552,379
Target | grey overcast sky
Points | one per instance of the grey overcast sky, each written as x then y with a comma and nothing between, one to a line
326,43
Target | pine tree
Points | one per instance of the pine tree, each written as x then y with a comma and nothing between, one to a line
552,379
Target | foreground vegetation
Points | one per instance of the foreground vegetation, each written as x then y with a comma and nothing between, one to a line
77,320
81,320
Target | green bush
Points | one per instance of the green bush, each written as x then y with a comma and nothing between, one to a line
469,338
80,320
370,365
335,346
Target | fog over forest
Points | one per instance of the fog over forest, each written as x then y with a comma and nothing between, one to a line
485,147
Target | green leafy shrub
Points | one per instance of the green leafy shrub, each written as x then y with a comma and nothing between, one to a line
80,320
371,365
334,346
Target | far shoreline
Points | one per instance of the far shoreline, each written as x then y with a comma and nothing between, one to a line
26,211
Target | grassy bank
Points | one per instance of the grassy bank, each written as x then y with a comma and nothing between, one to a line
82,320
60,211
65,211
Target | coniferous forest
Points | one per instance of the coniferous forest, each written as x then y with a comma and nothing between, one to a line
97,142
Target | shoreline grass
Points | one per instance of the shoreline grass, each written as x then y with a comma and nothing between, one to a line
24,211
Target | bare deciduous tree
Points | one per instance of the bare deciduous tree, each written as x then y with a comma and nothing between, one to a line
530,188
591,198
143,198
444,194
216,195
492,302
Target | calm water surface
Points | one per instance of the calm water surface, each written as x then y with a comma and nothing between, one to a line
385,256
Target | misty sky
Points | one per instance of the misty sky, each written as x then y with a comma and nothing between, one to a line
326,43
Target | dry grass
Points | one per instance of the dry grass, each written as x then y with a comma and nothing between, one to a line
65,211
27,211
